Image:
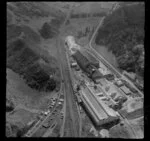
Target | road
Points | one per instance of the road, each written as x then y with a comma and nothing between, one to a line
101,22
49,131
71,122
40,123
102,59
71,125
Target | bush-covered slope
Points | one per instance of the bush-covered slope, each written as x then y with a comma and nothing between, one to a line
32,73
25,54
14,31
27,63
33,9
50,30
123,33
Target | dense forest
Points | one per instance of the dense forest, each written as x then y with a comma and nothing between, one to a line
34,69
50,29
25,55
123,34
86,15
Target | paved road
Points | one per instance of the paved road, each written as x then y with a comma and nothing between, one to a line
100,57
40,123
67,90
116,72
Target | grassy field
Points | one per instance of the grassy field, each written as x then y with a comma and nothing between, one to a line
31,17
78,27
138,125
19,92
109,56
92,7
22,116
120,132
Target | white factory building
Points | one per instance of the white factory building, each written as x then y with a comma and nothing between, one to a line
100,113
71,44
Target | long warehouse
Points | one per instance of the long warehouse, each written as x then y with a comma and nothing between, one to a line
96,111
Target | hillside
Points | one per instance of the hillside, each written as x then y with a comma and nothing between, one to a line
24,45
33,73
123,34
34,10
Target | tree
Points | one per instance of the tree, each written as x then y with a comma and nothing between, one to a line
68,22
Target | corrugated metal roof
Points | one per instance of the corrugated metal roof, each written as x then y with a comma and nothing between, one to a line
97,74
91,59
125,89
81,59
94,104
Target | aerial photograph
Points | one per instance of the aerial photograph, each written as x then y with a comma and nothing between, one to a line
75,69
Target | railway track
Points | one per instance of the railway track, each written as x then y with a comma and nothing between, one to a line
72,120
74,104
40,123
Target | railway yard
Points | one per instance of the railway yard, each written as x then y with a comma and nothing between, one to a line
87,104
90,104
105,97
94,100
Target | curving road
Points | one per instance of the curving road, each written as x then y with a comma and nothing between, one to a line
116,72
102,59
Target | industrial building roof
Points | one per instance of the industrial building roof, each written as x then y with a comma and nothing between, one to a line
91,59
109,111
119,83
97,74
94,104
81,59
125,89
103,82
96,91
96,109
112,89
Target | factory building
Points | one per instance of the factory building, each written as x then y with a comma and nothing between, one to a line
96,76
125,90
109,77
96,111
91,59
81,60
87,66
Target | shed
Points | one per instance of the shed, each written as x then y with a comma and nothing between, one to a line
125,90
119,83
81,60
46,125
109,77
96,76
